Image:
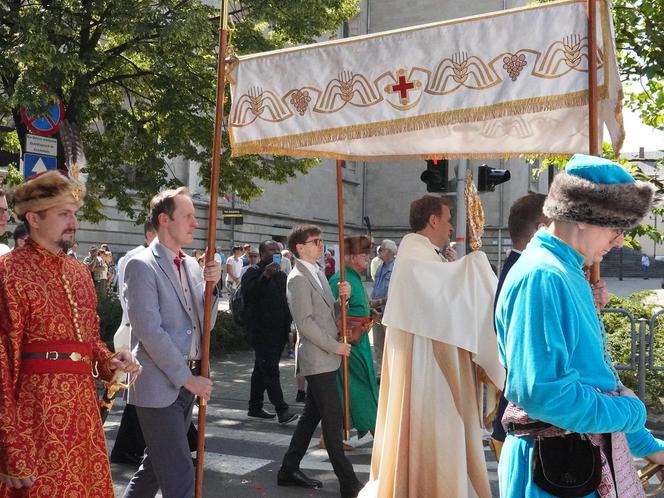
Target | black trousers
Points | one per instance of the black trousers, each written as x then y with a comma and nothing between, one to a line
323,404
265,377
130,440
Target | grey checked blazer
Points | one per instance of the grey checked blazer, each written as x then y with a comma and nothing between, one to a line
314,312
162,323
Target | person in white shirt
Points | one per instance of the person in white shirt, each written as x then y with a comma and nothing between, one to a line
129,442
645,265
234,266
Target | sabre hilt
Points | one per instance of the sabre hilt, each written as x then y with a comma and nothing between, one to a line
646,473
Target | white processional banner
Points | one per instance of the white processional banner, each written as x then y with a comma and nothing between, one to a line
503,84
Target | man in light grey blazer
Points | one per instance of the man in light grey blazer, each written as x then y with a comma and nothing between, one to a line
164,294
318,356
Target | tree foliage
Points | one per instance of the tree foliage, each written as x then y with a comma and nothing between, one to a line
138,79
640,43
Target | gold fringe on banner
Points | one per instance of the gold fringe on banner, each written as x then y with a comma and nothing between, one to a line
295,144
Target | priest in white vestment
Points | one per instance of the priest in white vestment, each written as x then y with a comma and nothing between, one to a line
440,349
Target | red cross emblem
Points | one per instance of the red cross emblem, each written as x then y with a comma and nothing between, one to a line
402,88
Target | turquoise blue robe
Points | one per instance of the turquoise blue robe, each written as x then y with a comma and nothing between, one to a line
550,341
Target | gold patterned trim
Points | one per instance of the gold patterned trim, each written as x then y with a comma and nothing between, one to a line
409,157
293,144
453,73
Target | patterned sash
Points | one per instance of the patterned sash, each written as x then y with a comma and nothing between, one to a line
627,485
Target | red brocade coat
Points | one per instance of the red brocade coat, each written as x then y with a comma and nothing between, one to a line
49,422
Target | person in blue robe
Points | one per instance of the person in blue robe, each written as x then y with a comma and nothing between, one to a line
550,336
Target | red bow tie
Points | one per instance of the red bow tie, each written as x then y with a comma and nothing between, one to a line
178,259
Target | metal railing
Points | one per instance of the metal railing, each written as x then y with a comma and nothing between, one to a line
642,346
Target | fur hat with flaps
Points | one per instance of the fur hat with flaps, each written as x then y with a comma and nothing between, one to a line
600,192
46,190
360,244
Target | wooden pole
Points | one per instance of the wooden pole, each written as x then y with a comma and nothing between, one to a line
594,147
211,237
342,278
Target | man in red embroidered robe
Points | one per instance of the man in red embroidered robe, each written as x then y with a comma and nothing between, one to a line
51,439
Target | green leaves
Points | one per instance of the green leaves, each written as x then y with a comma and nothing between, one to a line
138,79
640,42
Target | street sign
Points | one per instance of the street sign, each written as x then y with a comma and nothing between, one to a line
44,146
47,124
231,215
34,164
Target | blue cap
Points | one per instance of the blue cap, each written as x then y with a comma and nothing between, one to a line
597,170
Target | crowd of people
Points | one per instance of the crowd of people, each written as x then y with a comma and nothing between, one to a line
453,348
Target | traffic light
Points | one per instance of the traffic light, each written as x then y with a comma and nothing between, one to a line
488,178
435,176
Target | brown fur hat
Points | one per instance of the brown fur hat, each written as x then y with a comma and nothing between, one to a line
602,194
45,191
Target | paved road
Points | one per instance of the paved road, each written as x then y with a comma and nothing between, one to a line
243,455
628,286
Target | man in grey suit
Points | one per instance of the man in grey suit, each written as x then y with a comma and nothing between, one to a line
164,293
318,356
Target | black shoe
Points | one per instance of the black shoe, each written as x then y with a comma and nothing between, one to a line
297,478
127,458
301,397
287,417
261,414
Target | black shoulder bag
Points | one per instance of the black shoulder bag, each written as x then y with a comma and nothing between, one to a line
568,466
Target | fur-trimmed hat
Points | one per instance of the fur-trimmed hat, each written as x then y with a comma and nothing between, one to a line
600,192
360,244
46,190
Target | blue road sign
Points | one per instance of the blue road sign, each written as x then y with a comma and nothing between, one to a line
35,163
47,124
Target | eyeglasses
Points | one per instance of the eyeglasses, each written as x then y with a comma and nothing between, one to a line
316,242
618,232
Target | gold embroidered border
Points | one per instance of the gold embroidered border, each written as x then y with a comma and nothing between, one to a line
404,157
293,144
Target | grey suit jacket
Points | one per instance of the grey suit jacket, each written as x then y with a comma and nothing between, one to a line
314,312
162,322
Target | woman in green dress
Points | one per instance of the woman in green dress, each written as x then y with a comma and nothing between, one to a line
362,379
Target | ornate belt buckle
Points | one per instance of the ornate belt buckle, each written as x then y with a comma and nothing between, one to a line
76,356
52,355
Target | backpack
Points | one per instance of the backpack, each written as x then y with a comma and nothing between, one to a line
236,306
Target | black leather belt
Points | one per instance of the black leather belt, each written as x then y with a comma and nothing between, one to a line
514,427
56,355
194,364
